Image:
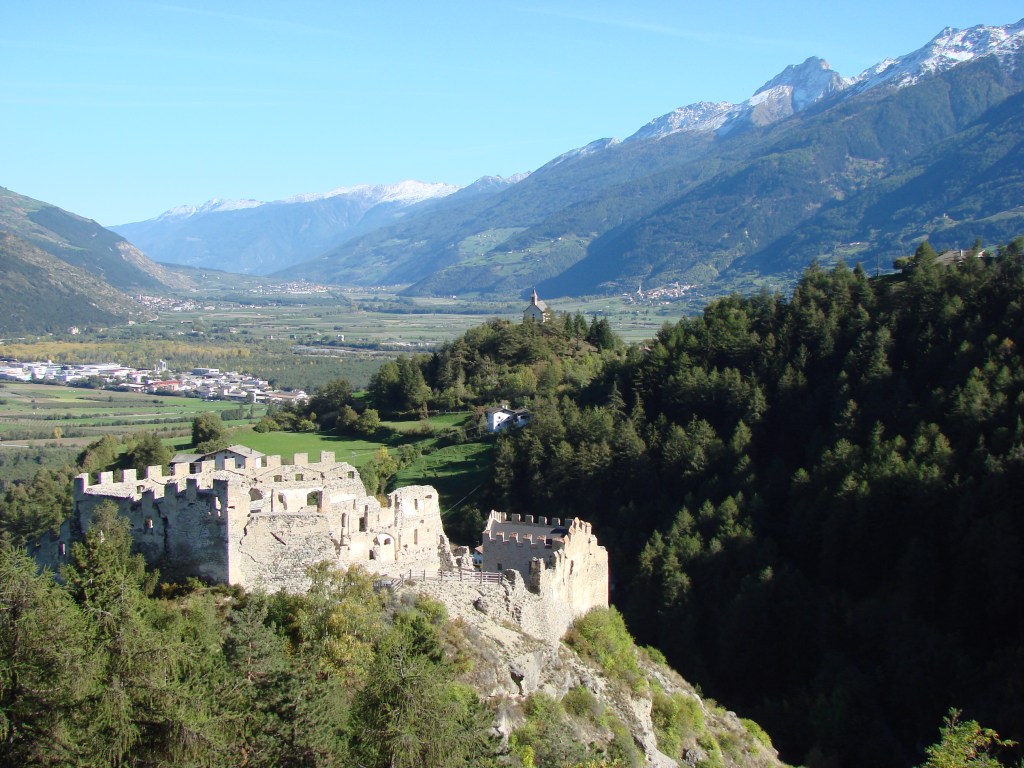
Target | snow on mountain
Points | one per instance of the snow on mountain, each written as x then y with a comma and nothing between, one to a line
407,192
794,89
799,86
702,116
216,205
590,149
804,83
404,192
947,49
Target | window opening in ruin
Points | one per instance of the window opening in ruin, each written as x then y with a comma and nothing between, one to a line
373,555
415,536
149,524
499,566
351,475
62,549
299,477
415,503
278,478
313,499
363,523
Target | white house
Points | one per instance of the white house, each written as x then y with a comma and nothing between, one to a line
502,418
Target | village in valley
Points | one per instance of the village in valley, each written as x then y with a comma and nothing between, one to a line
206,383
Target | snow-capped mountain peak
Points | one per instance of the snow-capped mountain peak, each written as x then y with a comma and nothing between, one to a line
799,86
805,83
792,90
404,193
215,205
947,49
702,116
407,192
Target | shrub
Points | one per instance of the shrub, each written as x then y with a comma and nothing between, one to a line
757,733
714,757
544,736
655,656
580,702
676,718
601,635
623,750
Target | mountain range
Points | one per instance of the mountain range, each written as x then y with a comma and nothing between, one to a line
254,237
813,165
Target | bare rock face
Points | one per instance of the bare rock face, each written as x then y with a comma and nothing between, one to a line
515,657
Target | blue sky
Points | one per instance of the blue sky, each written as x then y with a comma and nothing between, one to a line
120,110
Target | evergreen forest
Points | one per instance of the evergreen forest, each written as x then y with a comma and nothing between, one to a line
813,504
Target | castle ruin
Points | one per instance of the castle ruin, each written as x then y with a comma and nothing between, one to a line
259,523
561,561
240,517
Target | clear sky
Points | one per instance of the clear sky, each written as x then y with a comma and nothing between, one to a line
120,110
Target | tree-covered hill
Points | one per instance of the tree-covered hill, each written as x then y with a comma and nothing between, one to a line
813,504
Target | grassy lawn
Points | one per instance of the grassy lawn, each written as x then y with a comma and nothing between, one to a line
456,471
287,444
440,421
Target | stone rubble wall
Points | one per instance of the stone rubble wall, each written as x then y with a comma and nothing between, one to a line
560,561
258,522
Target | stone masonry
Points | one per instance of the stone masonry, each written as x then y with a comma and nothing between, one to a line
259,523
559,561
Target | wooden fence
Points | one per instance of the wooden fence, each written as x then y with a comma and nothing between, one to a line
466,575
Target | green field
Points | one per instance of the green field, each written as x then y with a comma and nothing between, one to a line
457,471
287,444
70,415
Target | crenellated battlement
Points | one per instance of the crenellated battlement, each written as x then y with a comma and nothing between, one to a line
502,517
544,545
559,560
240,517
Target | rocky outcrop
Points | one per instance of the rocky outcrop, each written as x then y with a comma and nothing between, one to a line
502,626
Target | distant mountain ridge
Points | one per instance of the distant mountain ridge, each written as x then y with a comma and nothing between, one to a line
256,237
700,194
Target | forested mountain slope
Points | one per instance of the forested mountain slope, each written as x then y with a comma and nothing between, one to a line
42,294
760,197
861,168
813,505
83,243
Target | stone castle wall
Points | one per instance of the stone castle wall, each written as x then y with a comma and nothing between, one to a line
560,561
259,522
